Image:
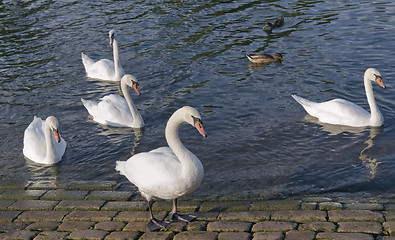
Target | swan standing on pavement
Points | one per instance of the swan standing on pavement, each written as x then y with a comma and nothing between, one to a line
167,172
105,69
42,142
342,112
115,110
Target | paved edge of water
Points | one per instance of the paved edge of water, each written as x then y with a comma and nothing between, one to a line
101,210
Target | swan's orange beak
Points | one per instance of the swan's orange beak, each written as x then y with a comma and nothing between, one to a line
379,80
136,88
199,127
57,136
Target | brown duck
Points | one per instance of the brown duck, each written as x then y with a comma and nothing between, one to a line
265,58
276,23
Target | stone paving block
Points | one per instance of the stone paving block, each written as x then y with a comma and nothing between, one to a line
355,215
389,227
94,185
64,195
299,215
276,205
126,206
273,226
224,206
43,226
130,216
390,206
389,216
225,226
136,226
176,226
123,236
110,226
309,206
96,216
41,216
46,185
343,236
8,216
209,216
251,216
268,236
88,234
297,235
13,185
20,235
75,225
197,226
360,227
12,226
5,203
320,226
157,236
33,205
196,235
330,206
317,199
364,206
80,205
234,236
109,195
47,235
22,194
182,206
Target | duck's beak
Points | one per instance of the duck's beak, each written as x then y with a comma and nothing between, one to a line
199,127
379,80
57,136
136,88
265,26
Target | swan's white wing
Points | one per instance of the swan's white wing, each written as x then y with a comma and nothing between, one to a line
336,111
112,110
155,173
34,140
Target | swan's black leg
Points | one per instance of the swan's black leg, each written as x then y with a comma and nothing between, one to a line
176,217
154,223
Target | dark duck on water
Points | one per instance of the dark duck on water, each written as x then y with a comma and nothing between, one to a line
276,23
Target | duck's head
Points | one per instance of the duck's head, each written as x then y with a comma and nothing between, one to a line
278,56
268,24
374,75
131,81
53,125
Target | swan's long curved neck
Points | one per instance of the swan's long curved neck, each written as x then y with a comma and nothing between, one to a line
50,155
173,139
375,114
138,120
116,60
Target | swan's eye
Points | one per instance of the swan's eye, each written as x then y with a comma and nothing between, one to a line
377,76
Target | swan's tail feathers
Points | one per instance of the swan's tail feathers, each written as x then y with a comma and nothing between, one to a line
249,57
87,61
89,105
302,101
120,167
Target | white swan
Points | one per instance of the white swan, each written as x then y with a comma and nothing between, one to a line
42,142
115,110
105,69
167,172
342,112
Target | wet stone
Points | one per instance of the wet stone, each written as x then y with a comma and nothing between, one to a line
157,236
5,203
318,226
109,195
234,236
90,216
8,216
299,215
268,236
229,226
360,227
330,206
123,235
88,234
80,205
297,235
46,235
41,216
22,194
251,216
276,205
126,206
354,215
136,226
196,235
224,206
43,226
20,235
12,226
273,226
33,205
364,206
75,225
343,236
64,195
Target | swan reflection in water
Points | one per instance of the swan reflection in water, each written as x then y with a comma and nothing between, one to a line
369,162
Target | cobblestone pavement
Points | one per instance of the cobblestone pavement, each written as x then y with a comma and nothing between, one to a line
99,210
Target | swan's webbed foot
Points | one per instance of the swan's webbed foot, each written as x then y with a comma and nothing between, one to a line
155,224
176,217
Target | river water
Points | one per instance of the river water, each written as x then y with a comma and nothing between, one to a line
260,141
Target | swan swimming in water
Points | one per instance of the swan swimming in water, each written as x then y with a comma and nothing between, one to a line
167,172
105,69
342,112
115,110
42,142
